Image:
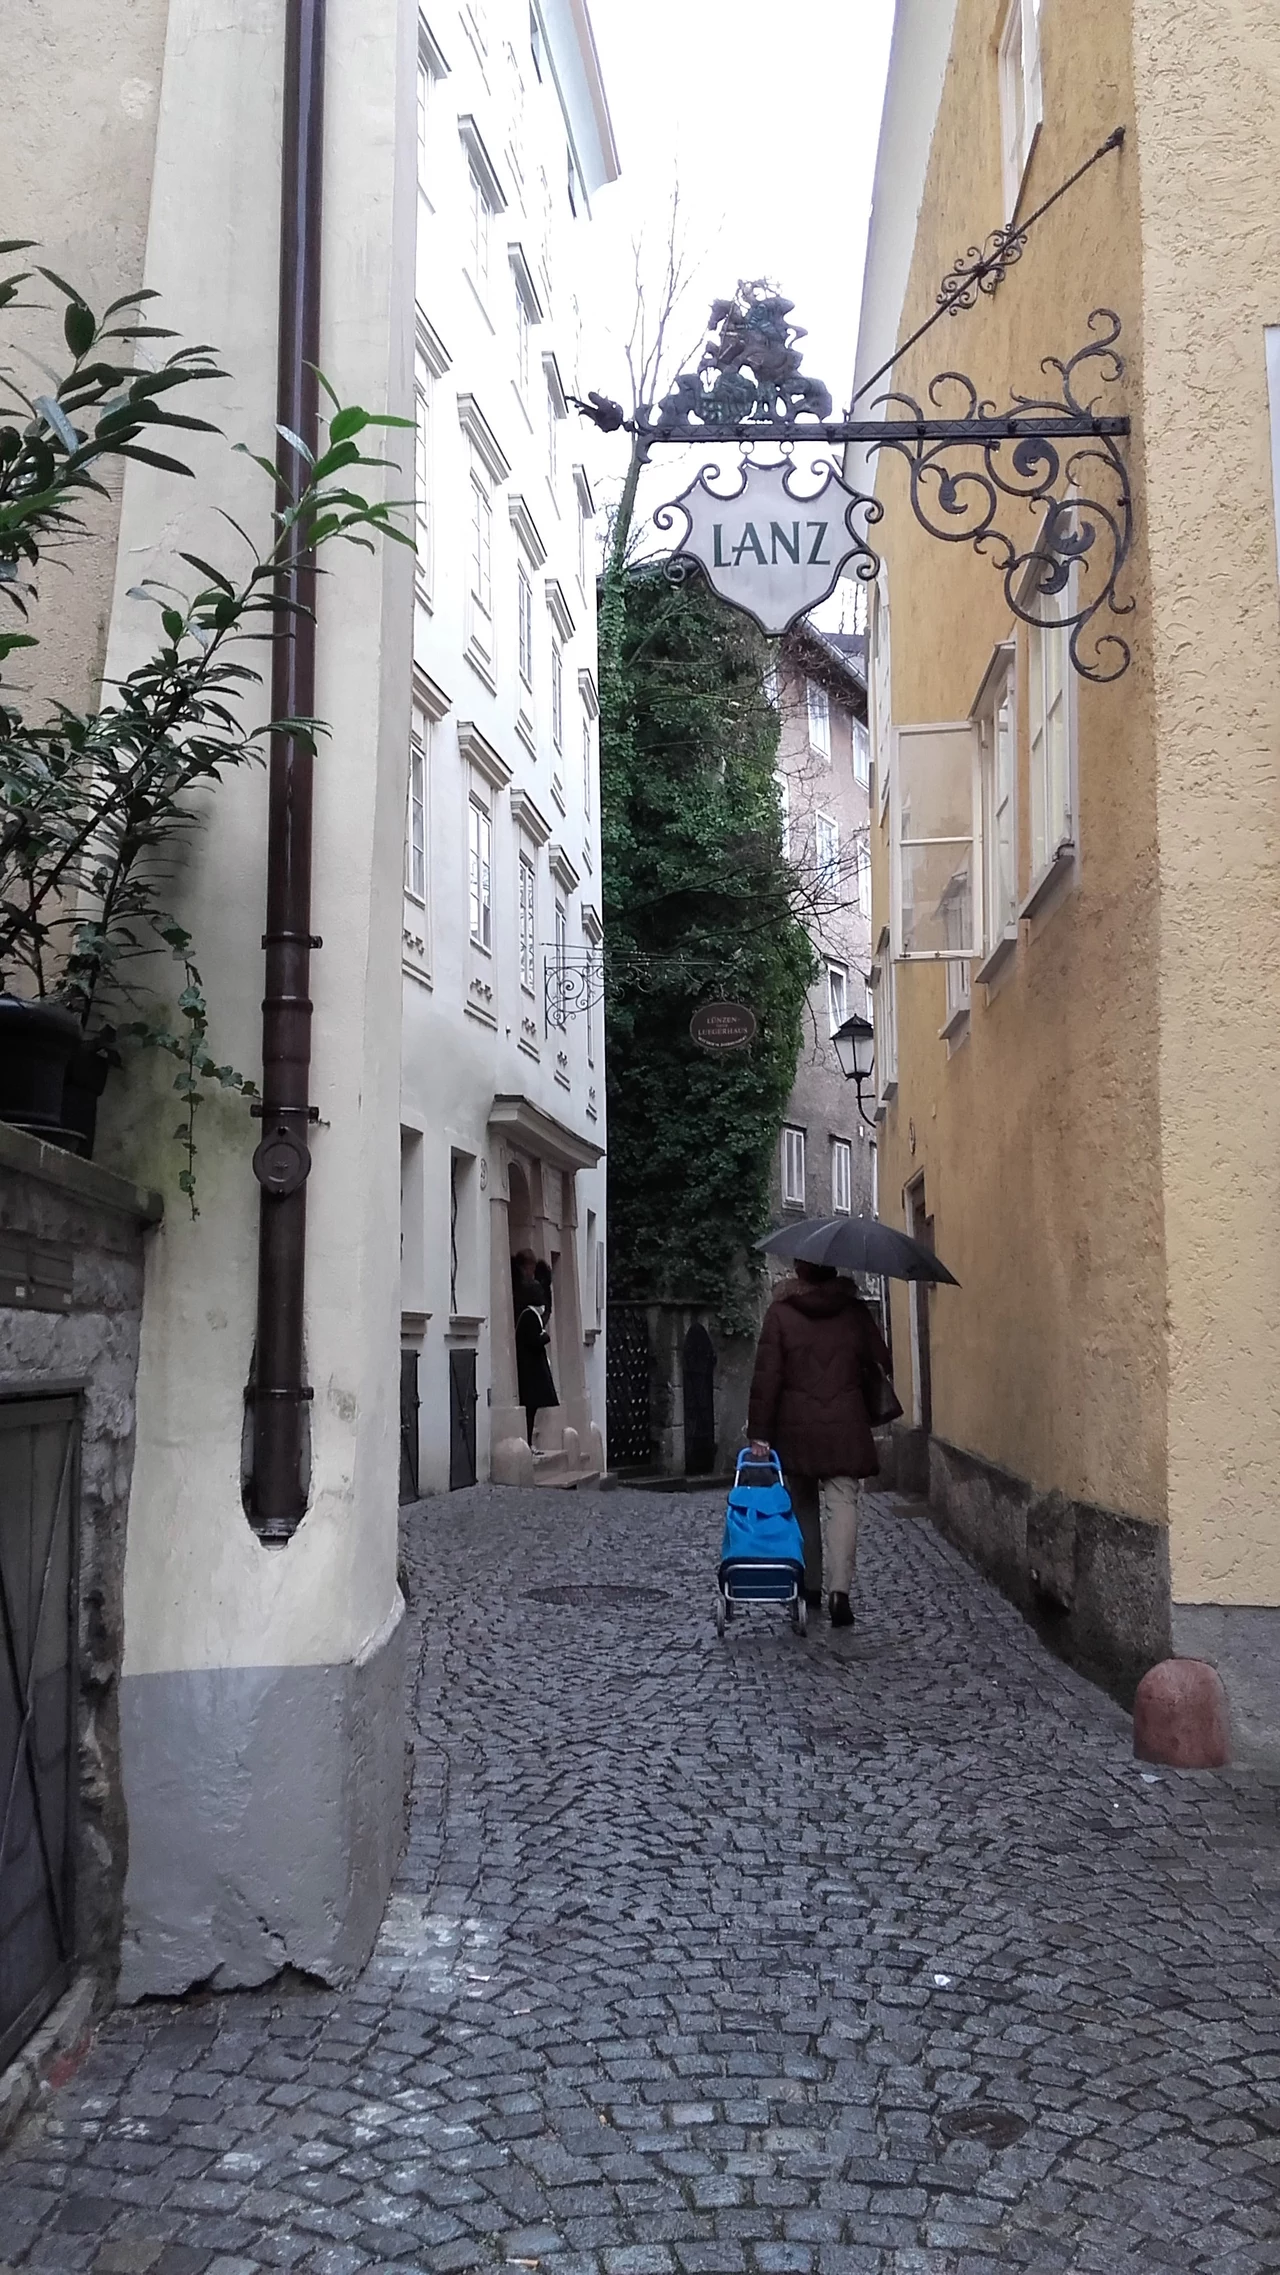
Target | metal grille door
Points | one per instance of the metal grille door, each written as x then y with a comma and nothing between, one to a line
627,1387
409,1405
39,1492
463,1400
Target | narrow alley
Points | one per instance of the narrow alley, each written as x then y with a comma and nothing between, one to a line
871,1954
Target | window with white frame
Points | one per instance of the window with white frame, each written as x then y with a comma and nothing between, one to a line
1050,730
826,847
793,1168
528,924
481,564
415,826
837,995
931,827
958,991
1021,98
558,1017
818,704
588,760
524,611
862,875
841,1177
881,688
426,84
480,872
998,772
422,438
861,752
557,693
885,1018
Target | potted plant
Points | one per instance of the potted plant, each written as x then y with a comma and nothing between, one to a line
94,804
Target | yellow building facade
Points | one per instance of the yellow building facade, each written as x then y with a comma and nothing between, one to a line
1075,889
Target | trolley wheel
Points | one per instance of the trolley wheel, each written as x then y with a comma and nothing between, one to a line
800,1615
721,1613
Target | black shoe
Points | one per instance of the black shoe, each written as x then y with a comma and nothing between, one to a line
813,1597
841,1611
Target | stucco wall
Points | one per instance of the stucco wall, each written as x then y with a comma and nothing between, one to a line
1207,87
1039,1135
81,89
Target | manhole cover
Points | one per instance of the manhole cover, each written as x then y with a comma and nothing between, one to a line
995,2128
597,1597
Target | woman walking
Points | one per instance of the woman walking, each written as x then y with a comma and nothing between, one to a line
818,1347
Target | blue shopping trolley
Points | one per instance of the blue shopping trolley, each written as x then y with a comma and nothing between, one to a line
762,1553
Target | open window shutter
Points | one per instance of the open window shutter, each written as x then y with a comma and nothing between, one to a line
934,785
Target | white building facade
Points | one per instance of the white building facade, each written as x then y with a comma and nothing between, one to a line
503,1103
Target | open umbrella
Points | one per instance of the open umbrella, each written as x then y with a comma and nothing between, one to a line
859,1244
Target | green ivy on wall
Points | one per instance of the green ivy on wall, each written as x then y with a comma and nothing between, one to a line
697,906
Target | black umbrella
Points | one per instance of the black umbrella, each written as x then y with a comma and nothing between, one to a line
859,1244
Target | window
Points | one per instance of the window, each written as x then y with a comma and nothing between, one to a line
837,995
557,1018
587,756
881,689
883,989
862,877
958,993
528,924
523,328
557,694
481,230
826,846
932,898
582,545
426,82
784,809
1021,101
481,560
480,873
1049,670
423,383
861,752
415,828
819,707
841,1177
998,764
793,1169
535,41
524,605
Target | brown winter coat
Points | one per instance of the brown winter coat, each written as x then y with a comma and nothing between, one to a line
807,1398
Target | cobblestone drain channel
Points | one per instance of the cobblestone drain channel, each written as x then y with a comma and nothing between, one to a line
871,1952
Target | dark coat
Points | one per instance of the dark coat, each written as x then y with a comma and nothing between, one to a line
807,1398
536,1386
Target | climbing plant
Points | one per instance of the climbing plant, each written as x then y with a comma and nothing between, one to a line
699,903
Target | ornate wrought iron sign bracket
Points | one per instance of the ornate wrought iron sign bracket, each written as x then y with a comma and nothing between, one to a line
971,465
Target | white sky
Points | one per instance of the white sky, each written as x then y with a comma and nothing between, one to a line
767,116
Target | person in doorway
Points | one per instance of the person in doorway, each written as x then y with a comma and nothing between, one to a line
535,1382
818,1345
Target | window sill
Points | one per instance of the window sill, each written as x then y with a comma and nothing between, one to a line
464,1326
527,732
478,297
481,666
955,1024
1050,879
998,958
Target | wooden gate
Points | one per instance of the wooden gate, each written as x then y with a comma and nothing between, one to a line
39,1499
463,1400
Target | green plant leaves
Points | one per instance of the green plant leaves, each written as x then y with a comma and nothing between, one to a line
79,328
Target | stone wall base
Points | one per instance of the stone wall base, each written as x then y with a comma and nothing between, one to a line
266,1818
1094,1584
1243,1642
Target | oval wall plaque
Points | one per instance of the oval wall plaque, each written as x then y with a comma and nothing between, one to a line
723,1026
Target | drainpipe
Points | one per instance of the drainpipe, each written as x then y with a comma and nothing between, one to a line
276,1498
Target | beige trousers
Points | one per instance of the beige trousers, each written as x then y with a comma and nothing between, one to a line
827,1509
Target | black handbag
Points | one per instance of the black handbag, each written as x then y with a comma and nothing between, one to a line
882,1401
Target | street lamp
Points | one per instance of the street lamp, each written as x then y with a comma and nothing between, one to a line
855,1049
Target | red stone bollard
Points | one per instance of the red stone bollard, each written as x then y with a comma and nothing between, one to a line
1180,1716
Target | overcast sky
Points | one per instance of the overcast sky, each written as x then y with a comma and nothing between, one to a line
767,116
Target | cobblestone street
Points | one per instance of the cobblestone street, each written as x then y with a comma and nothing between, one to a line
871,1952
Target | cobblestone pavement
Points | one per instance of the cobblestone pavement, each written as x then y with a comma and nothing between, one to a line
873,1952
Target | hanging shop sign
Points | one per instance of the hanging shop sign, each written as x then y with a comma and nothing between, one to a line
772,547
723,1026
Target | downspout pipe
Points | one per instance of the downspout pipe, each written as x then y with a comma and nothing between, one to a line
277,1491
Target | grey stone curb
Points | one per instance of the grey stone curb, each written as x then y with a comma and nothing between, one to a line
63,2032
